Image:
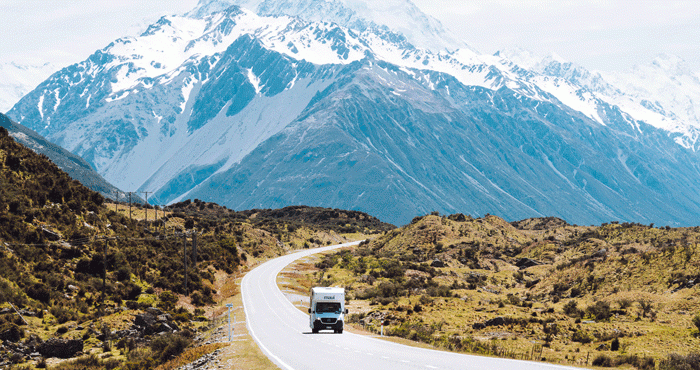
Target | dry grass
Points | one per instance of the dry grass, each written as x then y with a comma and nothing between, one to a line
191,355
624,278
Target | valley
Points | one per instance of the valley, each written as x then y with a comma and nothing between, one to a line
490,207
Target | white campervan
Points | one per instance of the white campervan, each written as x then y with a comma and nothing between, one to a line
327,309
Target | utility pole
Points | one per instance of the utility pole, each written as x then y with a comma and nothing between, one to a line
147,192
129,206
104,274
194,250
116,202
184,255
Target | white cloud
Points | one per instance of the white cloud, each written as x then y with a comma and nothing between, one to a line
599,34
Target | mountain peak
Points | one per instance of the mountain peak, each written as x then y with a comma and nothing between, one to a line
671,64
400,16
207,7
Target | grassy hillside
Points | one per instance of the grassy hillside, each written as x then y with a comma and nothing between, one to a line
538,289
59,240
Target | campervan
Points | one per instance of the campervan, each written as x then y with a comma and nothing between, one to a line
327,309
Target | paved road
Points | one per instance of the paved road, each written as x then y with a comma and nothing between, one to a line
282,332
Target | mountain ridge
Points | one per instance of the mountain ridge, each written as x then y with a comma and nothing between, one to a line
194,107
76,167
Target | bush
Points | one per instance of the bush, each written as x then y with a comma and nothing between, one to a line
167,300
571,309
602,361
600,310
581,337
679,362
39,292
11,332
169,346
642,363
63,314
197,299
615,344
124,273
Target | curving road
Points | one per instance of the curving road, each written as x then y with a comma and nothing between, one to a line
282,332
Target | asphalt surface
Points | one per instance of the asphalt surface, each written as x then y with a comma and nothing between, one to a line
282,332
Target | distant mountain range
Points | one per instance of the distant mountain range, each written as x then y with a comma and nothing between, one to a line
374,108
17,79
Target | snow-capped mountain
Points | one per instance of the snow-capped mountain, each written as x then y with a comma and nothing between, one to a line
18,79
272,107
400,17
663,94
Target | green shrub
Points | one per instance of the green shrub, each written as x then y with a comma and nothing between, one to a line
600,310
641,363
168,346
680,362
63,314
167,300
602,361
581,337
10,332
124,273
571,309
615,344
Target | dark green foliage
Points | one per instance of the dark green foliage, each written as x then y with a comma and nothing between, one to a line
615,344
680,362
600,310
642,363
169,345
123,273
571,309
63,314
40,292
10,332
602,361
581,337
167,300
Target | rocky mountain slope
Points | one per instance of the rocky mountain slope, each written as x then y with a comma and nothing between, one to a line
263,110
72,164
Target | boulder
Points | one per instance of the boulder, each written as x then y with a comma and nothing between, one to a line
437,263
524,263
478,326
496,321
61,348
145,320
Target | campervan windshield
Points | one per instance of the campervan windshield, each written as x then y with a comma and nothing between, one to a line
322,307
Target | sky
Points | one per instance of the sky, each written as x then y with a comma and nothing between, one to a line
607,35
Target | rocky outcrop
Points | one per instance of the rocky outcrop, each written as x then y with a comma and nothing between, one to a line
61,348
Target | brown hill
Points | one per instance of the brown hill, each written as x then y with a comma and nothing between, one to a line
604,295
